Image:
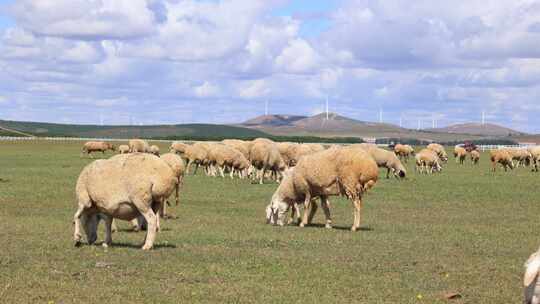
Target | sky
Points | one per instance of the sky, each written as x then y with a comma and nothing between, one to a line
220,61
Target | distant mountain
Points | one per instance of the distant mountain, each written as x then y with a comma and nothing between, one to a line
154,131
273,120
487,129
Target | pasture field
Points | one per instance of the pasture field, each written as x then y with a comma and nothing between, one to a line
467,230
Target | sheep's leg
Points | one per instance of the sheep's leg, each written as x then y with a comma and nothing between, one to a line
188,166
113,226
307,210
108,230
144,205
263,172
312,212
196,168
357,212
387,173
325,204
77,236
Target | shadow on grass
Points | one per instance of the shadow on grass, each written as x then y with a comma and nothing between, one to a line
348,228
139,246
131,230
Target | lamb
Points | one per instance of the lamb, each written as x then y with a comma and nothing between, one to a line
460,154
502,157
264,155
138,145
475,157
403,151
177,147
124,186
154,150
530,279
439,149
343,171
427,160
96,146
386,159
123,149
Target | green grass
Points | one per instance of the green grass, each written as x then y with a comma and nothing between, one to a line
466,230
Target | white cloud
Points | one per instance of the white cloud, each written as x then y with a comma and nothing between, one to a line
206,90
254,89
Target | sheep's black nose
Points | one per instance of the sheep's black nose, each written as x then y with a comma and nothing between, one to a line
401,174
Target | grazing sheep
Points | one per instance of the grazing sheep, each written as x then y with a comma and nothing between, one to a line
138,145
502,157
222,157
154,150
427,160
96,146
284,149
123,149
530,279
125,187
195,155
177,147
439,149
265,156
403,151
521,156
386,159
316,147
475,157
460,154
344,171
296,152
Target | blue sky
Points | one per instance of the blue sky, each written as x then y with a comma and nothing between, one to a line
219,61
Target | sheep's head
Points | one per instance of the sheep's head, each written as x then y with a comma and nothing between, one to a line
276,210
112,147
89,224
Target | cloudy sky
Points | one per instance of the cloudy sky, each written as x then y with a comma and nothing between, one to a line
180,61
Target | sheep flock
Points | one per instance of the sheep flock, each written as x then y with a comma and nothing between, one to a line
135,185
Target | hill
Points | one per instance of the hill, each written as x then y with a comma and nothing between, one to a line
478,129
155,131
341,126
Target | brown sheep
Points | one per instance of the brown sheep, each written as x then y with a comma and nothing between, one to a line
345,171
502,157
138,145
521,156
535,156
124,186
240,145
460,154
475,157
265,156
96,146
385,159
195,155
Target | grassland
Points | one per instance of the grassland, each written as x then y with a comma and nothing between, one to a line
466,230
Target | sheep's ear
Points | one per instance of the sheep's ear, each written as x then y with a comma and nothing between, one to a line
532,271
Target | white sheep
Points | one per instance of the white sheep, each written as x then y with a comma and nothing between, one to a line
530,279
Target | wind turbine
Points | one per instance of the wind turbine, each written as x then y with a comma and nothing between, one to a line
266,108
326,107
483,117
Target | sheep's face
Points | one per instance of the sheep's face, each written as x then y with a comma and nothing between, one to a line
275,212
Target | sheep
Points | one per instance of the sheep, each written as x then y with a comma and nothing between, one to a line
502,157
138,145
343,171
460,154
521,156
403,151
530,279
425,159
123,149
297,151
96,146
475,157
194,155
316,147
385,159
284,149
240,145
177,147
535,156
264,155
177,165
439,149
223,157
154,150
124,186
